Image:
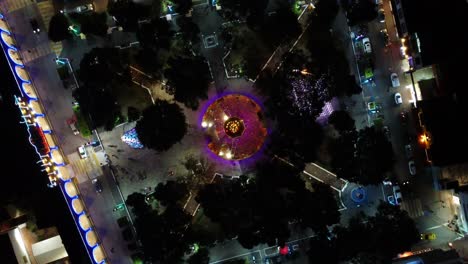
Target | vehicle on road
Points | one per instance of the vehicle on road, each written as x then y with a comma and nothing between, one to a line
80,9
395,80
412,167
384,35
398,99
35,26
403,117
408,151
428,236
387,181
73,128
367,45
82,152
396,198
387,134
97,185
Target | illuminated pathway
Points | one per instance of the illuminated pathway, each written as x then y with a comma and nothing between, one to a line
42,138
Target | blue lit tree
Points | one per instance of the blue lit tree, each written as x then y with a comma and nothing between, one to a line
131,138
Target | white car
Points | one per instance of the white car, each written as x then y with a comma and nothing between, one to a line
82,152
367,45
395,80
73,128
412,167
398,99
79,9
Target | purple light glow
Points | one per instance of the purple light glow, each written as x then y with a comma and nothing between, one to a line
225,108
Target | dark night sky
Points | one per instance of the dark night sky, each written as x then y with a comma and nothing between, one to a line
21,176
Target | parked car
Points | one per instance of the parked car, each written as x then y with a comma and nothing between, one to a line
387,181
367,45
73,128
396,198
35,26
395,80
82,152
386,132
408,151
384,35
428,236
398,99
97,185
81,9
412,167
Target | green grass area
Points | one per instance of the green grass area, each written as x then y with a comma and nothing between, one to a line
81,123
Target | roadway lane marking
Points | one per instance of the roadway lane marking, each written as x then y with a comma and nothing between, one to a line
435,227
238,256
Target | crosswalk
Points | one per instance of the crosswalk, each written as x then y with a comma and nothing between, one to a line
13,5
413,207
85,169
46,9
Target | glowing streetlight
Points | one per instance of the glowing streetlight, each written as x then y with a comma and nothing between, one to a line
228,155
204,124
423,138
225,117
210,124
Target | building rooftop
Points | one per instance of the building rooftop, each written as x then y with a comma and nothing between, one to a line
444,121
436,256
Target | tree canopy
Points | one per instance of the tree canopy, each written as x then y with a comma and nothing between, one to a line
259,211
170,193
370,239
342,121
165,235
91,23
188,79
326,53
364,156
360,12
127,13
101,72
183,6
58,28
162,125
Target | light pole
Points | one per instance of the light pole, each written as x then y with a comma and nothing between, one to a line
60,60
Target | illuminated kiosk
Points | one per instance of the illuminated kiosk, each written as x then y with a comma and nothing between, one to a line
234,127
